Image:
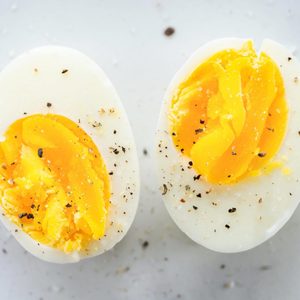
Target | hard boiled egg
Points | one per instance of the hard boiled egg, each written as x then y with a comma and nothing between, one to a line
68,164
228,143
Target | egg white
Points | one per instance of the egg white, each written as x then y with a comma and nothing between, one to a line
83,94
254,220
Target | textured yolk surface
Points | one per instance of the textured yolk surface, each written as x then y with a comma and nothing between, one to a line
54,185
229,117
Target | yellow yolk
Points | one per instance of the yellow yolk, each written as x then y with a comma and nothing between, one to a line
54,185
229,117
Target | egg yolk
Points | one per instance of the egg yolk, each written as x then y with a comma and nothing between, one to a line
229,117
53,182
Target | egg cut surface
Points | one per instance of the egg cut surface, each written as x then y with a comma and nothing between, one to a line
68,164
227,143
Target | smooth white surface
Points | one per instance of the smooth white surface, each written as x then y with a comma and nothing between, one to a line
126,39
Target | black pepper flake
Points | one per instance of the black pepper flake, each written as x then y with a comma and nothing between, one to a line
32,206
49,104
227,226
232,210
4,251
289,58
202,121
270,129
115,131
64,71
190,163
165,189
199,130
123,149
111,173
169,31
22,215
40,152
145,244
116,151
195,207
298,132
30,216
197,177
68,205
199,195
233,153
260,200
222,266
173,133
261,154
182,200
145,152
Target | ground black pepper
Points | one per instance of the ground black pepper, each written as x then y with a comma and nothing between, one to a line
199,130
165,189
262,154
40,152
30,216
22,215
169,31
145,244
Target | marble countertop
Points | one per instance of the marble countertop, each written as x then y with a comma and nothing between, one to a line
155,260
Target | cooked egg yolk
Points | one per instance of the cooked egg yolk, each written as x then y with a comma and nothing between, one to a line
229,117
54,183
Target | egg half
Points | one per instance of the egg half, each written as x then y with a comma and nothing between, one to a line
228,143
68,164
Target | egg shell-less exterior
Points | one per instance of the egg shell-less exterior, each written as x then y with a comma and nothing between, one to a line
263,203
85,95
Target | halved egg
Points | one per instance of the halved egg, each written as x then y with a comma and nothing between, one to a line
228,143
69,180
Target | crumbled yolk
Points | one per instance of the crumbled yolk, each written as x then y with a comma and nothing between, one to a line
229,117
53,182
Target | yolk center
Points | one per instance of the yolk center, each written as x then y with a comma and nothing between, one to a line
229,117
54,183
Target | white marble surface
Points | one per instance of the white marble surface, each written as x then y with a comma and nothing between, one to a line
126,39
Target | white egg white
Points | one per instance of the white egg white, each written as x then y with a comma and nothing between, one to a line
264,203
85,95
